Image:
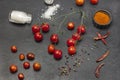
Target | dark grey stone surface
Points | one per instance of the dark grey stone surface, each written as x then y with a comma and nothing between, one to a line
22,37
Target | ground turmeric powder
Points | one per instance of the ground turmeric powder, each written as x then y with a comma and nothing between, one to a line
102,18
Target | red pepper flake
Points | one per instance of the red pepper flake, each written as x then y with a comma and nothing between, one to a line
97,71
103,56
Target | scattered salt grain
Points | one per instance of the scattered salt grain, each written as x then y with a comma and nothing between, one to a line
52,10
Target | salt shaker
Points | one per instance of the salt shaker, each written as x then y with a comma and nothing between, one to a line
20,17
49,2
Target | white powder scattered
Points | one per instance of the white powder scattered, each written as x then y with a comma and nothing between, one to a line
52,10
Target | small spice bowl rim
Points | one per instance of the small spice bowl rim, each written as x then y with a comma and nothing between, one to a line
107,12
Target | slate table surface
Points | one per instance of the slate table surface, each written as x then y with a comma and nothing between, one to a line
22,37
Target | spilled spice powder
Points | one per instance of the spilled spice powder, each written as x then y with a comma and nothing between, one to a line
102,17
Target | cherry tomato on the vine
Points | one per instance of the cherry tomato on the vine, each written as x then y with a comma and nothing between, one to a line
81,29
76,36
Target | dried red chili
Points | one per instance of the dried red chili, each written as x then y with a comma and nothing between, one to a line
103,40
100,37
103,56
103,37
98,68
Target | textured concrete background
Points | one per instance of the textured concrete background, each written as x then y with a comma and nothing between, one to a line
22,37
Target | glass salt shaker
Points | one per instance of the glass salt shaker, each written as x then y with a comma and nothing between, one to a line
49,2
20,17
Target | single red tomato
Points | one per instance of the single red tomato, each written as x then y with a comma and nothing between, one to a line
20,76
71,50
57,54
13,68
70,25
36,66
51,48
38,36
54,38
30,56
76,36
21,56
13,49
45,27
94,2
71,42
35,29
80,2
81,29
26,65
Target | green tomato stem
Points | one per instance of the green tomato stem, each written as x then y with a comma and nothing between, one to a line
65,17
82,18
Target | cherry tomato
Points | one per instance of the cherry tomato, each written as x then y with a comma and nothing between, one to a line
13,49
57,54
13,68
81,29
36,66
51,48
70,25
71,42
30,56
38,36
71,50
80,2
20,76
94,2
54,38
76,36
45,27
35,29
21,56
26,65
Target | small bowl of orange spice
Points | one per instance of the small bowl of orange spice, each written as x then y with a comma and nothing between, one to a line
102,18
